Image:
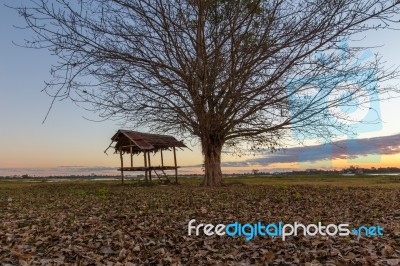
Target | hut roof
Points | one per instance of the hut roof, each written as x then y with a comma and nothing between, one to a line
125,139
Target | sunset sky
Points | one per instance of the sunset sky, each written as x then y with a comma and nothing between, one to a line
69,143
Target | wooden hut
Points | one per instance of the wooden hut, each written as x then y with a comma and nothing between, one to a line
133,143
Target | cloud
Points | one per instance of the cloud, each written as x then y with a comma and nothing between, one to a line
343,149
74,170
87,168
60,171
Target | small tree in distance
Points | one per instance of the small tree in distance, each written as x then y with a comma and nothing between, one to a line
225,72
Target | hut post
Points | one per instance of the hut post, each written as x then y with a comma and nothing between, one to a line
145,165
176,167
122,165
131,157
162,159
148,156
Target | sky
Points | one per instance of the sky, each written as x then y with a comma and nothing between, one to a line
69,143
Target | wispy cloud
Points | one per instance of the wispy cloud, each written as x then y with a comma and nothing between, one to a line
60,171
70,170
343,149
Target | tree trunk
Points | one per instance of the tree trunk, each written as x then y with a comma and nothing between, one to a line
212,163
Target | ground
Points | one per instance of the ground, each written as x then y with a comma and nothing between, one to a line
96,223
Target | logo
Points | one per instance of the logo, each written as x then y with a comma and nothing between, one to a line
342,101
249,231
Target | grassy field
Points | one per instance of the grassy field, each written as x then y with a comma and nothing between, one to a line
337,180
106,223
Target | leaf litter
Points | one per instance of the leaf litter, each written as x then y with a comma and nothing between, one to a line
109,224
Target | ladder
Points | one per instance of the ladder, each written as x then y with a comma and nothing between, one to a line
166,180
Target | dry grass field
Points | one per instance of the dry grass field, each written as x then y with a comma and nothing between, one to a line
106,223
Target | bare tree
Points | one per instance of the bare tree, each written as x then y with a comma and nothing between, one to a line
225,72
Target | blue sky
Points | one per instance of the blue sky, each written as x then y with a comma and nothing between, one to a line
67,139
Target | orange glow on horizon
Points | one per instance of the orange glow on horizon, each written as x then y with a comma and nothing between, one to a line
337,164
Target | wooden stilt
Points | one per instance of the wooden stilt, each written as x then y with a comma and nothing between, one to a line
176,167
148,156
145,165
122,165
162,159
131,157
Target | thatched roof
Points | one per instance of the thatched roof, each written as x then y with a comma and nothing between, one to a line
125,139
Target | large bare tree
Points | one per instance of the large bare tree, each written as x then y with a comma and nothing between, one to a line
225,72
